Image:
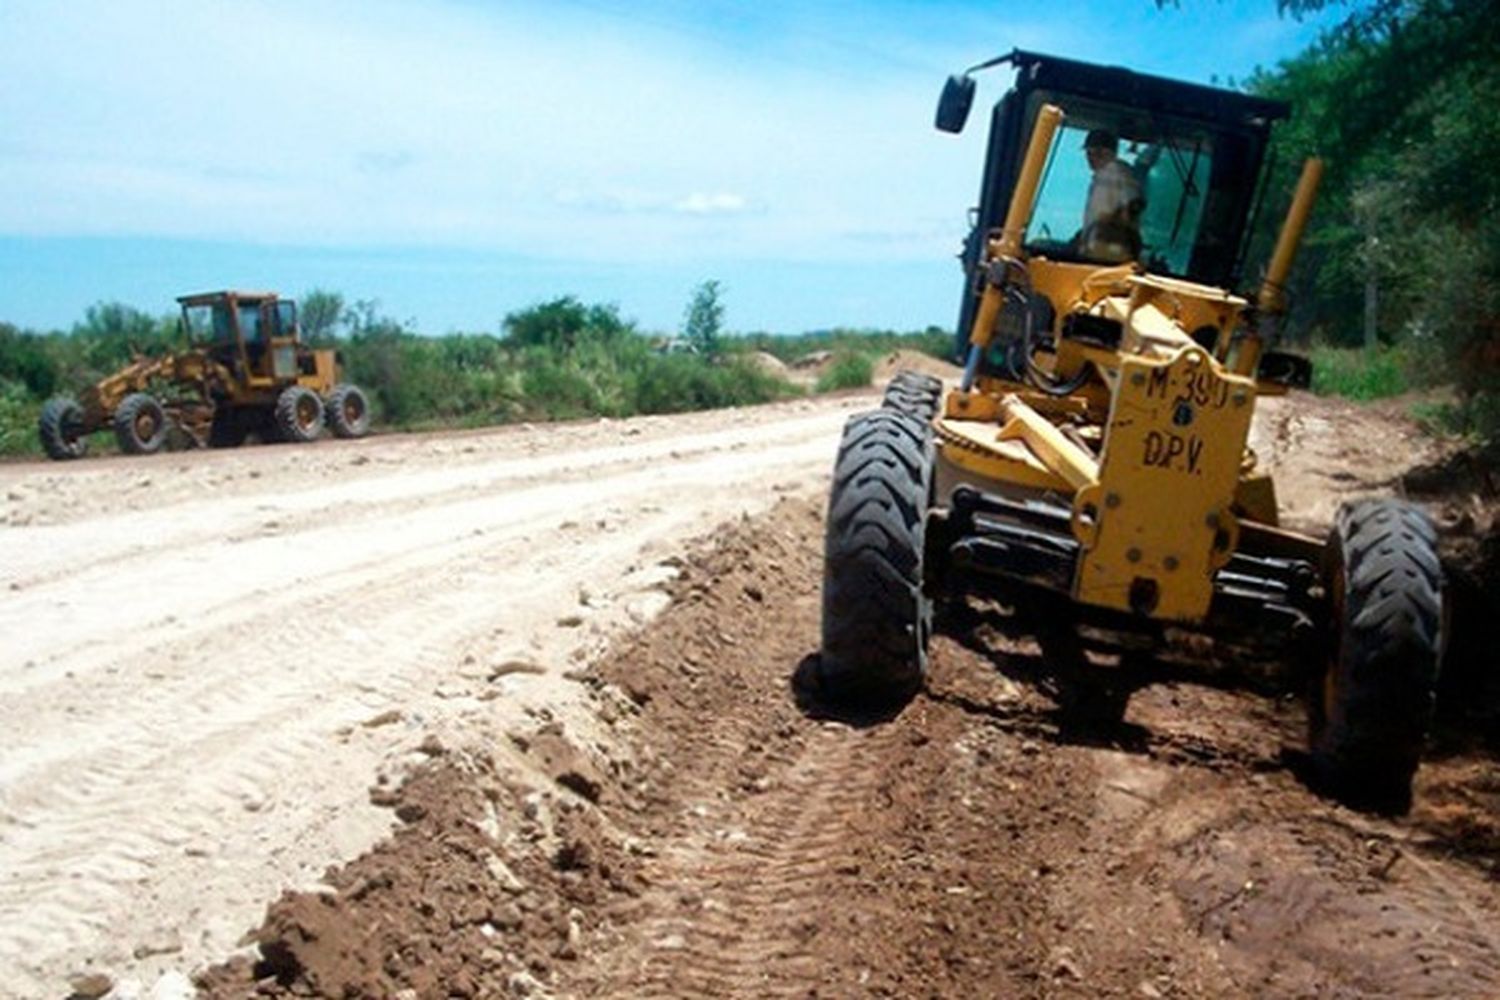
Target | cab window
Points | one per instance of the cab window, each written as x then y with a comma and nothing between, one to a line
208,324
1166,175
250,323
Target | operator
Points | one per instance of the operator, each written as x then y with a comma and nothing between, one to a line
1112,216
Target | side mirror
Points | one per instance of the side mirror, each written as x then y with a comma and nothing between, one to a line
953,106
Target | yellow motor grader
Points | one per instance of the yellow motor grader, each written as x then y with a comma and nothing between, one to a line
1091,471
245,370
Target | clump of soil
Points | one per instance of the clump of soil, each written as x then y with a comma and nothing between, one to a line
1463,492
483,891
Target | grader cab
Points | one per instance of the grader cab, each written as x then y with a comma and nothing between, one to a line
1091,471
245,370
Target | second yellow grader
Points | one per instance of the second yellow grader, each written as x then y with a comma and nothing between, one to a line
244,370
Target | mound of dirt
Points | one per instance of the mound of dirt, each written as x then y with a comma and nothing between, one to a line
769,363
486,887
814,361
915,361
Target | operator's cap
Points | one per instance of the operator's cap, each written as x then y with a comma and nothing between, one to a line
1102,138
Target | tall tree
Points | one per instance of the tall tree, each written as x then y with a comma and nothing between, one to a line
1399,99
320,312
703,323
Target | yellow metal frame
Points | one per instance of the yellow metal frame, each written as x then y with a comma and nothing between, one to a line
1151,444
1160,520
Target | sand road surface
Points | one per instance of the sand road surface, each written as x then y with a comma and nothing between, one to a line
208,657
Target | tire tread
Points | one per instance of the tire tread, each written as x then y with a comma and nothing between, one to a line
1387,652
875,615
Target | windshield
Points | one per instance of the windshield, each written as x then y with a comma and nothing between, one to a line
1110,195
207,323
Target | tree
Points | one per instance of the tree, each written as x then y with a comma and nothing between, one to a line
112,333
562,323
1399,100
24,360
321,311
117,321
703,324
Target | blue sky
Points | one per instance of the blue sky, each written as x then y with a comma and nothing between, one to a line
456,160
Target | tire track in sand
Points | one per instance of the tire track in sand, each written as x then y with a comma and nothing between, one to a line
739,895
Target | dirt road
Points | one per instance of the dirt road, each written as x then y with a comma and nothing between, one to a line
208,657
559,666
707,829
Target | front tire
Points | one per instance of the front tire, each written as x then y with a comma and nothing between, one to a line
1373,702
299,415
140,424
876,618
60,427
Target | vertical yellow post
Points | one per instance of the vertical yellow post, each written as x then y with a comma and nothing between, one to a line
1023,198
1017,217
1270,303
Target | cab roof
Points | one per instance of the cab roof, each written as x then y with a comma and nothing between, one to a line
209,298
1117,85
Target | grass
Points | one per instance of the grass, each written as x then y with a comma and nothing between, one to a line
1472,412
849,369
1475,417
1361,374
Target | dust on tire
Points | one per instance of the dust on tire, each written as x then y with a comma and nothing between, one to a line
914,393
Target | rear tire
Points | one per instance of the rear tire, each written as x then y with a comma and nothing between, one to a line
348,411
299,415
61,430
140,424
911,392
876,618
1373,701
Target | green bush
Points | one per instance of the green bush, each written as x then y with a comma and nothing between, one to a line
562,323
1473,415
18,413
675,383
849,370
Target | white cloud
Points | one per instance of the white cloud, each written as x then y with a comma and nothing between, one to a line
629,202
699,203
